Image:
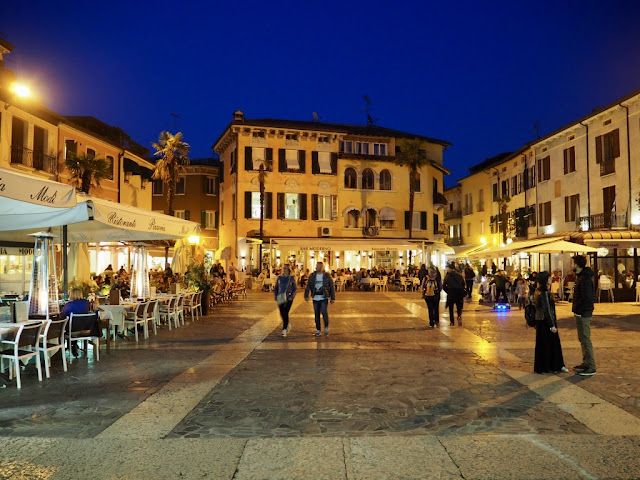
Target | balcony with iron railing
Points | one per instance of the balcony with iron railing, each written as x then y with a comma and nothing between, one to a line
451,214
37,160
604,221
453,241
440,229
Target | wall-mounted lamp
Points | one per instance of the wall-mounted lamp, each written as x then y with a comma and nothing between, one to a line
19,92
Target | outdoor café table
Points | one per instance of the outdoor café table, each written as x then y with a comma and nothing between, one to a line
369,282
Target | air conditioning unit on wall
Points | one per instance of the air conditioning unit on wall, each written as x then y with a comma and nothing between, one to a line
324,231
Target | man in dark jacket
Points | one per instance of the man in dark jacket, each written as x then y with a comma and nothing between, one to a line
320,287
583,311
469,277
454,285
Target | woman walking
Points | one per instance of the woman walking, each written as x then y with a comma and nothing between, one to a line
548,352
430,288
284,293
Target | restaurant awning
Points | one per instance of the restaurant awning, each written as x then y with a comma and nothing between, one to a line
559,246
342,244
508,250
461,251
91,220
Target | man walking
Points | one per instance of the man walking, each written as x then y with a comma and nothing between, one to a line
320,287
583,311
454,285
469,277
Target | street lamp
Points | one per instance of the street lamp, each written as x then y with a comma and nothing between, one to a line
19,92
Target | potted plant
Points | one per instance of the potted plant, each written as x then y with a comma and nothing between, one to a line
196,278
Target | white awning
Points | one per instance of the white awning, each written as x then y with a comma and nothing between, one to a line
508,250
291,157
324,162
387,213
559,246
91,220
342,244
37,191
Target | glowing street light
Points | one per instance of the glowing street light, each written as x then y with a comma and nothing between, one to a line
21,90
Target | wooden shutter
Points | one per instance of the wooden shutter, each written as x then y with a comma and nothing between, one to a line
547,167
566,160
599,149
280,199
268,205
282,162
314,206
216,218
248,158
567,207
547,209
187,214
525,178
315,167
423,220
334,163
205,185
407,218
203,218
615,143
303,205
268,158
334,207
302,160
247,204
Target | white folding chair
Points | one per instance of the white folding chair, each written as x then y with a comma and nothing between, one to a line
22,347
169,312
52,340
138,317
151,316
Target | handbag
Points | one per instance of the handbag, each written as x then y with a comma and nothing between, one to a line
281,298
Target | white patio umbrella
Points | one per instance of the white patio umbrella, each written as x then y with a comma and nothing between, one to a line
560,246
79,269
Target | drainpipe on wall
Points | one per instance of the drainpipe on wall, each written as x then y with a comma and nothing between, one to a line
588,177
120,156
628,166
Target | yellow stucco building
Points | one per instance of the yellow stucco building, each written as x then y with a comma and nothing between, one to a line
332,191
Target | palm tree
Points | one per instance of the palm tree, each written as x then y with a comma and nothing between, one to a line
413,156
87,170
503,203
174,156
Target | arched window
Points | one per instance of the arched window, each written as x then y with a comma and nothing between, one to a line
367,179
351,219
350,178
385,180
370,216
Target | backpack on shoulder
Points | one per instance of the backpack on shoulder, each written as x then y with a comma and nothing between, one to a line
430,289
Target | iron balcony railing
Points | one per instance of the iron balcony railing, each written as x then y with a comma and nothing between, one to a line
38,160
451,214
453,241
441,229
604,221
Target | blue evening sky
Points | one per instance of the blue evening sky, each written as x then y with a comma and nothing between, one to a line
477,74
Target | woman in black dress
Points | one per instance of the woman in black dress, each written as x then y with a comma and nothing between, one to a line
548,353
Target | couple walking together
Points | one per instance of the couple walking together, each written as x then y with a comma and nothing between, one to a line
548,351
319,286
455,287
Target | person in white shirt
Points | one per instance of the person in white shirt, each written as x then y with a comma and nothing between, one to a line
320,286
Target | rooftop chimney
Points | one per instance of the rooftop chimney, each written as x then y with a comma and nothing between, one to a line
238,116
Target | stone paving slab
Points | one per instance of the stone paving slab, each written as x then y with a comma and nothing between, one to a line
292,459
402,458
513,457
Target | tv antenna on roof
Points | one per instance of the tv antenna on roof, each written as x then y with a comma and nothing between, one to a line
367,104
176,117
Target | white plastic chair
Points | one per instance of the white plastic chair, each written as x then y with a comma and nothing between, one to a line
52,340
22,347
151,316
138,317
169,312
605,285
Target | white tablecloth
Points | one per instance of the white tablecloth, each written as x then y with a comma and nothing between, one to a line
118,312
